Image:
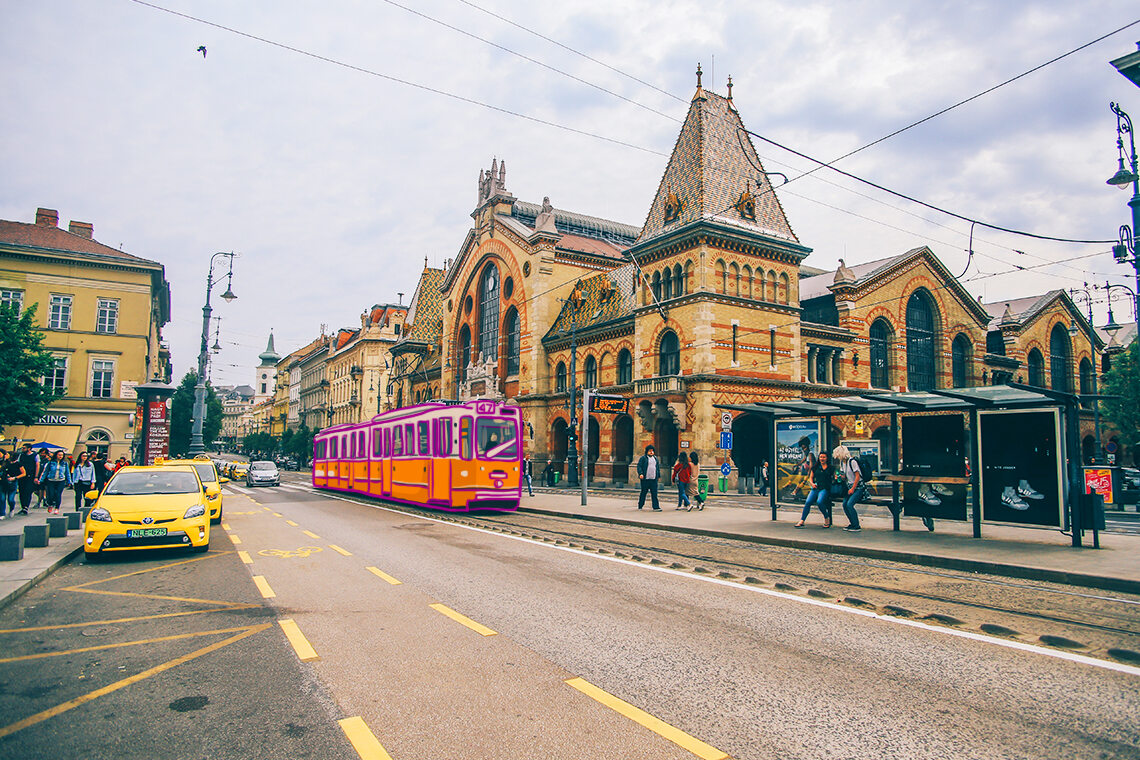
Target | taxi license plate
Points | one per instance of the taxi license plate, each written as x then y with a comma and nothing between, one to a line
146,532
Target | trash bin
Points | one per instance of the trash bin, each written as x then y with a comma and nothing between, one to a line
723,484
557,477
703,486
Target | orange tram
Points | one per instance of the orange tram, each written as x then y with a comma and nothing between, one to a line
438,454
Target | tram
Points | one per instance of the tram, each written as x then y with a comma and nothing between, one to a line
438,454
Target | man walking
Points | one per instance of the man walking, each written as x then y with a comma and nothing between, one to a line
527,475
648,470
27,484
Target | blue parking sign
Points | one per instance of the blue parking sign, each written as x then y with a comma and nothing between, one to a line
726,439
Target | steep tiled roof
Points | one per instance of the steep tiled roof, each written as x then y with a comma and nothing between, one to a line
570,223
424,322
606,297
817,285
1022,309
54,238
713,164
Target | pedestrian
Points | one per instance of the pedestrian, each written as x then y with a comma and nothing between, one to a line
30,467
55,478
648,470
764,478
527,475
854,488
682,475
694,481
41,486
102,469
10,474
548,474
820,479
83,479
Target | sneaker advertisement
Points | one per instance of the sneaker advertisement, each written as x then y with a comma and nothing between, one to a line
1021,467
934,446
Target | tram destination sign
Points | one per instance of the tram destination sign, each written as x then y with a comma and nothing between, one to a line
608,404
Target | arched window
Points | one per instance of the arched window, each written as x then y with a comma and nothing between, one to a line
919,342
1086,383
721,276
591,372
1036,369
746,281
98,441
785,290
560,378
625,367
667,284
511,328
773,286
657,286
1060,351
761,284
464,353
678,281
669,357
489,314
734,278
960,360
880,354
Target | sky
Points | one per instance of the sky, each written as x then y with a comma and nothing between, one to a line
335,145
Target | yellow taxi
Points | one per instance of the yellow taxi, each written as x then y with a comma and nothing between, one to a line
160,506
238,470
208,474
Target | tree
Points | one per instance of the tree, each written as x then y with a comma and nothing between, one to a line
301,445
182,415
1123,381
25,362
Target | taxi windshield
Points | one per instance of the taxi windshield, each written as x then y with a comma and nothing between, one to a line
205,473
497,439
152,483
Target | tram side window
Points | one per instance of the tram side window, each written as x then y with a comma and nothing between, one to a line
410,440
466,437
398,441
332,454
321,449
387,442
377,442
350,449
360,447
443,440
344,447
425,438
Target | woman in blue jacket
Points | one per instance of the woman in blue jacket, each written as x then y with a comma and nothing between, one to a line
56,477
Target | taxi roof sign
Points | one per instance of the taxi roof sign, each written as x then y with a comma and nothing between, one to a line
608,404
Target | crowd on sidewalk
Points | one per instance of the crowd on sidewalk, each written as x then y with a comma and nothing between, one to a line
46,476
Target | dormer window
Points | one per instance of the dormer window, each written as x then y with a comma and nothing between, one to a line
673,207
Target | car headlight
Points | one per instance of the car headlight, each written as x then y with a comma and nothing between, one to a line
195,511
99,515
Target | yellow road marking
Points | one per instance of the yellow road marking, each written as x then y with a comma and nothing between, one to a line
225,526
245,558
656,725
62,708
382,574
234,539
338,550
463,620
301,645
278,514
310,534
302,552
263,586
225,608
363,740
147,570
41,655
290,522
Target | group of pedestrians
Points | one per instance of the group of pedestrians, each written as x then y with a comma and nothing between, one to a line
685,470
47,476
837,477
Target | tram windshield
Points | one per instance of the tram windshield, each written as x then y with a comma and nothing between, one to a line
497,439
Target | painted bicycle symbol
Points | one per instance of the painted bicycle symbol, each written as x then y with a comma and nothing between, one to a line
303,551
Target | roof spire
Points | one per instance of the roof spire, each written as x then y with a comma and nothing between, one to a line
730,86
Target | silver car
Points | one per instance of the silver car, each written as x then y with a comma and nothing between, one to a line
262,474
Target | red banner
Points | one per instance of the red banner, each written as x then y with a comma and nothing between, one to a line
1099,480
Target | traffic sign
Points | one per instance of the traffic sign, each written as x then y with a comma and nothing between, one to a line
726,469
607,404
726,440
726,420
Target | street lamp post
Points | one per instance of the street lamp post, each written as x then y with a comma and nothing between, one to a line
572,432
197,446
1097,451
1122,179
1112,327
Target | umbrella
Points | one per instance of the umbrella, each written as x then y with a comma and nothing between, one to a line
48,446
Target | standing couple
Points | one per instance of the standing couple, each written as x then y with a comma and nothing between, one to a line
684,469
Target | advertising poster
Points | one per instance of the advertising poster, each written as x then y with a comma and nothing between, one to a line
1099,480
795,440
1021,467
934,446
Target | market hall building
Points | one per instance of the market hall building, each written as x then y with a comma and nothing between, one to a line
710,303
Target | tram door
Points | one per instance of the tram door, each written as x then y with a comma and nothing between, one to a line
439,485
386,463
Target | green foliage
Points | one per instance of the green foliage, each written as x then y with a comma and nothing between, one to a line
182,415
259,445
23,364
301,445
1123,381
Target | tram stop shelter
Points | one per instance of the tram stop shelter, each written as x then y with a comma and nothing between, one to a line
1004,453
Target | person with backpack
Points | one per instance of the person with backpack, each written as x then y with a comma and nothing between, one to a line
682,475
855,479
694,485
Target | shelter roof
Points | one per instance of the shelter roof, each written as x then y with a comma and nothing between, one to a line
958,399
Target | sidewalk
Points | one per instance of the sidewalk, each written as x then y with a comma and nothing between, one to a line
17,576
1017,552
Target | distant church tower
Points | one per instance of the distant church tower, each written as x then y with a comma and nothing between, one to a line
266,374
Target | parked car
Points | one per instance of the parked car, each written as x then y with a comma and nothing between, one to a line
262,473
1129,485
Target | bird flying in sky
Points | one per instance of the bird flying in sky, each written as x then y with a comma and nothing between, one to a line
202,50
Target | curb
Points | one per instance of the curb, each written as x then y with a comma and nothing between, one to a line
16,593
1103,583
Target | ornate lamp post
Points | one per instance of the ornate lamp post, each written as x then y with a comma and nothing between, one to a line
1112,327
1087,292
1123,178
572,431
197,446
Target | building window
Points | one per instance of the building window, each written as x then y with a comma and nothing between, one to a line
880,354
735,361
591,372
919,342
107,316
1086,383
678,281
669,356
656,286
489,314
960,352
102,377
1036,369
625,367
98,441
772,347
12,298
59,313
512,330
560,378
1059,352
667,284
995,343
464,353
56,378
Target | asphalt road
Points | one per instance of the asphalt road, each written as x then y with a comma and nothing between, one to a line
436,640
